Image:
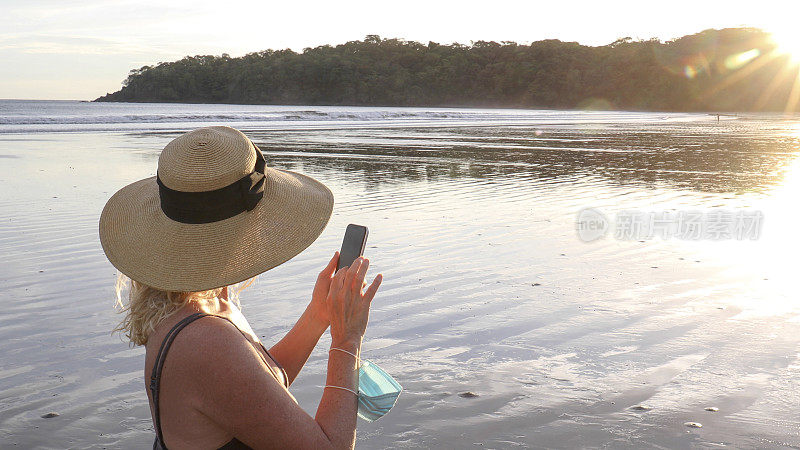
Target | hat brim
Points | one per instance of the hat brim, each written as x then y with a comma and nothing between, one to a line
149,247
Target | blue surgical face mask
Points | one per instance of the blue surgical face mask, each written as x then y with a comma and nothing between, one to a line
377,391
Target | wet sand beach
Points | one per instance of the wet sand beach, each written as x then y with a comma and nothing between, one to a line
505,329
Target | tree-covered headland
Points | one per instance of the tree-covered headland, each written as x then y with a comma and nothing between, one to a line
734,69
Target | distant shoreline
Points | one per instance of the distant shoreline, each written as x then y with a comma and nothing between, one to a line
510,108
454,106
734,113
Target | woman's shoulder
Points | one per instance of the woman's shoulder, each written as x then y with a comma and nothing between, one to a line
207,344
188,328
207,336
222,372
210,352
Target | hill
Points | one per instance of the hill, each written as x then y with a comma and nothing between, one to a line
734,69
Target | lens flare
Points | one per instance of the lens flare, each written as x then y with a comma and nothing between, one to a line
738,60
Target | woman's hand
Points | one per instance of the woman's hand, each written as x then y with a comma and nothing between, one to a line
318,306
348,303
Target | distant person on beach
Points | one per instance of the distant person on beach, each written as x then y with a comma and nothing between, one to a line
188,241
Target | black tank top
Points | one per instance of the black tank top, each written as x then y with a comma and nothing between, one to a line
158,366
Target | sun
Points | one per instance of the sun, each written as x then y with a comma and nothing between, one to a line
788,43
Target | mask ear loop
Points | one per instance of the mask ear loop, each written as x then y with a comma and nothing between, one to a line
358,361
342,388
349,353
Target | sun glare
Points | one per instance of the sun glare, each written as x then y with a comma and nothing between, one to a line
788,43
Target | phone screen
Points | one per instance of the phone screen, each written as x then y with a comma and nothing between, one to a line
355,238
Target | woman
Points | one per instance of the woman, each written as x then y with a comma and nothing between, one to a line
215,216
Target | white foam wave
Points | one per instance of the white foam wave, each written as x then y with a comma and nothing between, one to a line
32,116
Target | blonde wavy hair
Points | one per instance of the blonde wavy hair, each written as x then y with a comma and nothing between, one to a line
147,306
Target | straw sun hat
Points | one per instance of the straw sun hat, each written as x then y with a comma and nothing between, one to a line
213,216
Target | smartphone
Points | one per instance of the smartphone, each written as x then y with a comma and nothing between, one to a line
355,239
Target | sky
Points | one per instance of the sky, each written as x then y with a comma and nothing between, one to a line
82,49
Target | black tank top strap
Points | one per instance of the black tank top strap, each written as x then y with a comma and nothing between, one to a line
158,366
283,371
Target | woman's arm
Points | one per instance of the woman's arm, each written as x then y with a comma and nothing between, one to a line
293,350
237,391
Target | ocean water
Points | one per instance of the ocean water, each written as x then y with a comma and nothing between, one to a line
488,286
